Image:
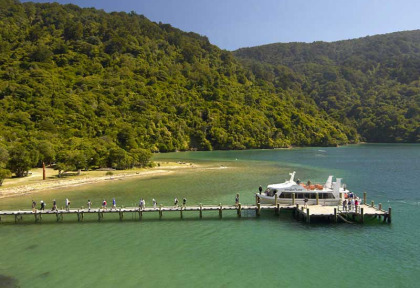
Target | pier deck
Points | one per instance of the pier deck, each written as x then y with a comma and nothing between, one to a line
332,213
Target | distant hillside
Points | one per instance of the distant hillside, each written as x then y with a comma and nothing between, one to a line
97,87
371,83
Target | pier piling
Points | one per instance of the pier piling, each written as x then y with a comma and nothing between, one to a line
335,215
308,216
362,215
389,215
201,210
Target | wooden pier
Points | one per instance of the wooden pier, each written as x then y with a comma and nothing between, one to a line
301,212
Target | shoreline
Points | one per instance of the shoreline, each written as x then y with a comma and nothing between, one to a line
34,183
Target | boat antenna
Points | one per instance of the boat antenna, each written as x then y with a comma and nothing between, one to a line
292,176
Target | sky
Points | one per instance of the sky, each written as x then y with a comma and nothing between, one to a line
233,24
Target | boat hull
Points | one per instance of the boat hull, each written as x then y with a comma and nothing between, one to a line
264,199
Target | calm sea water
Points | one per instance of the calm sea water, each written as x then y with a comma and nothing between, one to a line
230,252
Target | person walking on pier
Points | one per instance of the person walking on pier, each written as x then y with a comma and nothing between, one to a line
114,204
141,204
67,204
104,204
344,204
356,204
237,200
306,202
33,206
154,203
260,189
352,203
184,202
54,207
89,204
176,202
42,205
349,204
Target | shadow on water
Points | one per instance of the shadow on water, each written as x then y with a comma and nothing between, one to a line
8,282
31,247
44,275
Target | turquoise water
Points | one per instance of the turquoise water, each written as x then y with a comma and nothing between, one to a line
229,252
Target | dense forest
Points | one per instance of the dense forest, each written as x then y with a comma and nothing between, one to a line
82,89
371,83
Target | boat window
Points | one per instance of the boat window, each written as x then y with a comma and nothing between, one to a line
286,195
326,196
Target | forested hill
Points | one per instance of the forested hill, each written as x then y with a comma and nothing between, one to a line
371,83
100,87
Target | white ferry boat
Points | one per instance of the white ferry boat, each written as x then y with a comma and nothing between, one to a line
330,193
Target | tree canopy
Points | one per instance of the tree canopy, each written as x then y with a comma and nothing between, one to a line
371,83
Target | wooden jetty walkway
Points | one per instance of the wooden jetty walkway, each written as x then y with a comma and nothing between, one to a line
301,212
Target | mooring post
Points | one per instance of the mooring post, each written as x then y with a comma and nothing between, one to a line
78,215
380,209
317,198
160,211
121,213
297,211
99,215
277,209
293,198
364,198
275,199
239,210
201,210
82,215
308,217
257,199
389,215
181,212
362,215
140,214
258,209
220,210
372,203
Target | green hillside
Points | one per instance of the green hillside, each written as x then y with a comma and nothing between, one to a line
102,89
371,83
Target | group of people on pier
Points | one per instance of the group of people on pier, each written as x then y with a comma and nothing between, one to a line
351,203
142,204
54,205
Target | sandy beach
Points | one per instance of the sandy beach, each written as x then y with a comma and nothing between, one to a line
34,183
